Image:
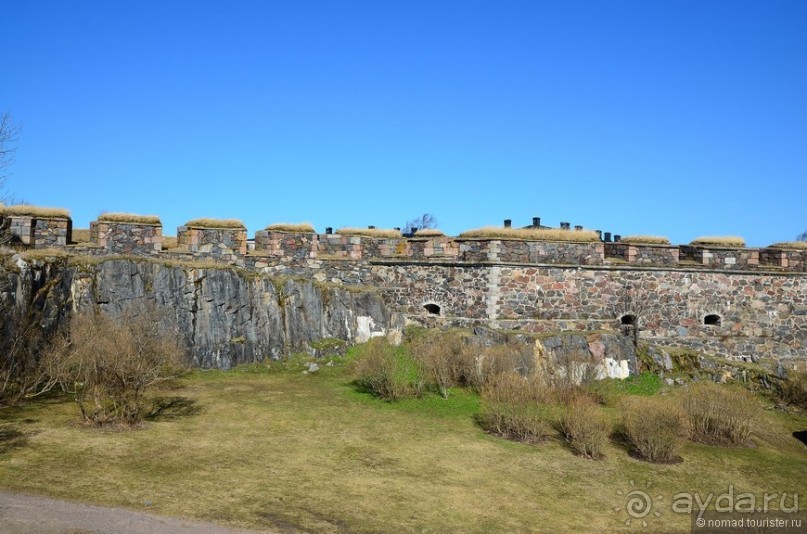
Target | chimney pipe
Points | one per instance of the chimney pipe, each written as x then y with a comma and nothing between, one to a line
564,225
617,238
328,230
577,227
607,237
507,223
536,222
599,234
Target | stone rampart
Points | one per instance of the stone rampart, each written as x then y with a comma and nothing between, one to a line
737,302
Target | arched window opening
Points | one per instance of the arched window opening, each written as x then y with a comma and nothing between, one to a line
433,309
628,320
712,320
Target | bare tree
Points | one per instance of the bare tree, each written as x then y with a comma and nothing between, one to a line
427,220
9,134
109,363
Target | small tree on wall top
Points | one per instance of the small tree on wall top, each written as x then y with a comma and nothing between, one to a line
427,220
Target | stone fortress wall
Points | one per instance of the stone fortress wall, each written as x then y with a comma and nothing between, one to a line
741,303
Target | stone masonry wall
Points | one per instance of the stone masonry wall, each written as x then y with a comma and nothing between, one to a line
127,238
218,244
759,295
41,232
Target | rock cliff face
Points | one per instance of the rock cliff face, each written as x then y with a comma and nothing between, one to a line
223,316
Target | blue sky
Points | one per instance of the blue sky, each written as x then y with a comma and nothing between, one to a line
678,118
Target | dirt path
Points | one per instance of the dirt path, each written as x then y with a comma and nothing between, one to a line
24,514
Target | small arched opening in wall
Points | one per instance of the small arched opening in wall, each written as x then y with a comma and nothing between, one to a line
627,320
432,308
712,319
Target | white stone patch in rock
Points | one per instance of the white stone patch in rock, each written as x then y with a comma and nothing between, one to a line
364,330
616,368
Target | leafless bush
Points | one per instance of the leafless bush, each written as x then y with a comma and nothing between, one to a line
22,337
387,371
654,426
447,359
793,389
570,375
109,363
586,428
499,359
511,407
720,415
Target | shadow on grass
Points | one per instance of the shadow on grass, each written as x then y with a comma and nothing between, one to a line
11,438
171,408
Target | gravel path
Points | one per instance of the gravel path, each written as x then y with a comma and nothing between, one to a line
24,514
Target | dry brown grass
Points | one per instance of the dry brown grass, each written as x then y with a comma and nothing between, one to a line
36,211
81,235
790,245
645,240
369,232
170,242
533,234
216,223
295,228
353,463
429,232
130,218
45,253
719,241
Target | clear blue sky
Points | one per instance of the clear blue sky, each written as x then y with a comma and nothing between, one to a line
671,118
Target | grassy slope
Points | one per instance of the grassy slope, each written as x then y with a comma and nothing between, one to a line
276,449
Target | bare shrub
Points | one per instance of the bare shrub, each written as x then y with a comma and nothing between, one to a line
586,428
793,390
447,360
499,359
387,371
570,375
720,415
109,363
511,407
22,338
654,426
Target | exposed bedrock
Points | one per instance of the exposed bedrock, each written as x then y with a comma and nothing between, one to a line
224,316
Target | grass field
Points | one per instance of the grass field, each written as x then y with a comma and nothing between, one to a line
273,448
